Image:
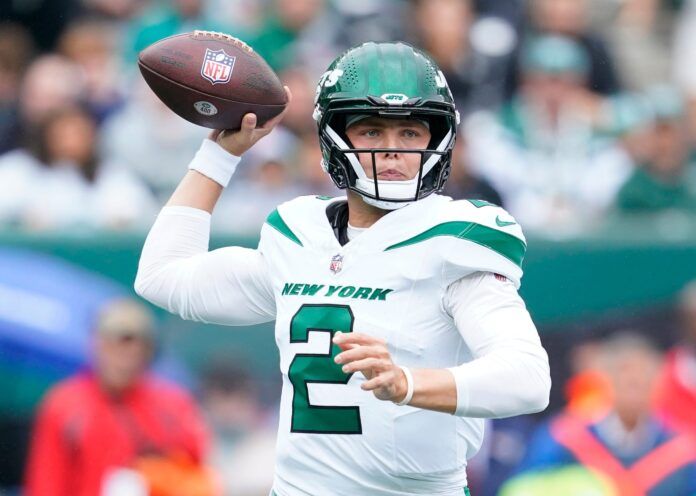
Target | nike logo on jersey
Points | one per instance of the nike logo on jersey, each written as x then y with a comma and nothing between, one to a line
362,293
503,223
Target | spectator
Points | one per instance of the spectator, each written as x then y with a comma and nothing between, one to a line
165,19
588,397
542,152
308,33
101,432
685,50
639,33
248,202
45,19
630,118
308,159
91,44
570,18
279,39
665,179
243,450
464,183
357,22
475,56
624,444
298,118
115,9
51,82
676,399
587,391
61,180
16,48
149,140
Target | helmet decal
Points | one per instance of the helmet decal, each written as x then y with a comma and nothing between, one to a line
394,98
328,79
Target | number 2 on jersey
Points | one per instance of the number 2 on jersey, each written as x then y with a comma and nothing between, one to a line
320,368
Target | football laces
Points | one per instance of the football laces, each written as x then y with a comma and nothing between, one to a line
223,36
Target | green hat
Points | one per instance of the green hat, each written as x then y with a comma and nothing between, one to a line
555,55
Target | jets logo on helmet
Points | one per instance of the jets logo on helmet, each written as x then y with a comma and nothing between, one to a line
412,87
394,98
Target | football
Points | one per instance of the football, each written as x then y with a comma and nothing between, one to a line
212,79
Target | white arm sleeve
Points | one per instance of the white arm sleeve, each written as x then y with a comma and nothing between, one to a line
509,374
177,272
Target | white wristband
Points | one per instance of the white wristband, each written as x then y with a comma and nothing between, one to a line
409,387
214,162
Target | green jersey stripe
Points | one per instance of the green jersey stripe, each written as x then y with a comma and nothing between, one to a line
276,222
507,245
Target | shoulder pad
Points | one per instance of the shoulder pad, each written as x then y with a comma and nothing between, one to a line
491,227
485,214
473,236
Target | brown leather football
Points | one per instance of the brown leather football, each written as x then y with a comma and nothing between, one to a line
212,79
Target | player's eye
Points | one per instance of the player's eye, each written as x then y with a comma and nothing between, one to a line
371,133
411,133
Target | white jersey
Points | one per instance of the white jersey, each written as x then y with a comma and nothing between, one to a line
391,282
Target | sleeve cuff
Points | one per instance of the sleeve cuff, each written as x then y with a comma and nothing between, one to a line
184,211
460,380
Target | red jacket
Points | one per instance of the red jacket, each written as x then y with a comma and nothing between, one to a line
676,397
81,433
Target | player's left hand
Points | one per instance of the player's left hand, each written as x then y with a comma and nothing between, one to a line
369,355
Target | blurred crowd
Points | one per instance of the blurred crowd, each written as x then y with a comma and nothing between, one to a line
573,110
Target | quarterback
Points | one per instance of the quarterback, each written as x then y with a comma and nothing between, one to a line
396,309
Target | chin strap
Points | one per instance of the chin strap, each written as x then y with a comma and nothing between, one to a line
384,205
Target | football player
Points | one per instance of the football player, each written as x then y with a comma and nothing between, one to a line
397,315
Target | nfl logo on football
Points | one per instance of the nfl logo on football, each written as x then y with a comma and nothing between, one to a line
336,264
217,66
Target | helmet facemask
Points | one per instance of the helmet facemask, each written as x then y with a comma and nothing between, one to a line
341,159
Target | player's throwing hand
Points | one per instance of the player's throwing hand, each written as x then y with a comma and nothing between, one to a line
238,142
369,355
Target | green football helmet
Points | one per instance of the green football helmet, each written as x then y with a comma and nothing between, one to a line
392,80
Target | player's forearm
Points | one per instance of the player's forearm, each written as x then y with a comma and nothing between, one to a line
498,385
434,389
489,387
197,191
